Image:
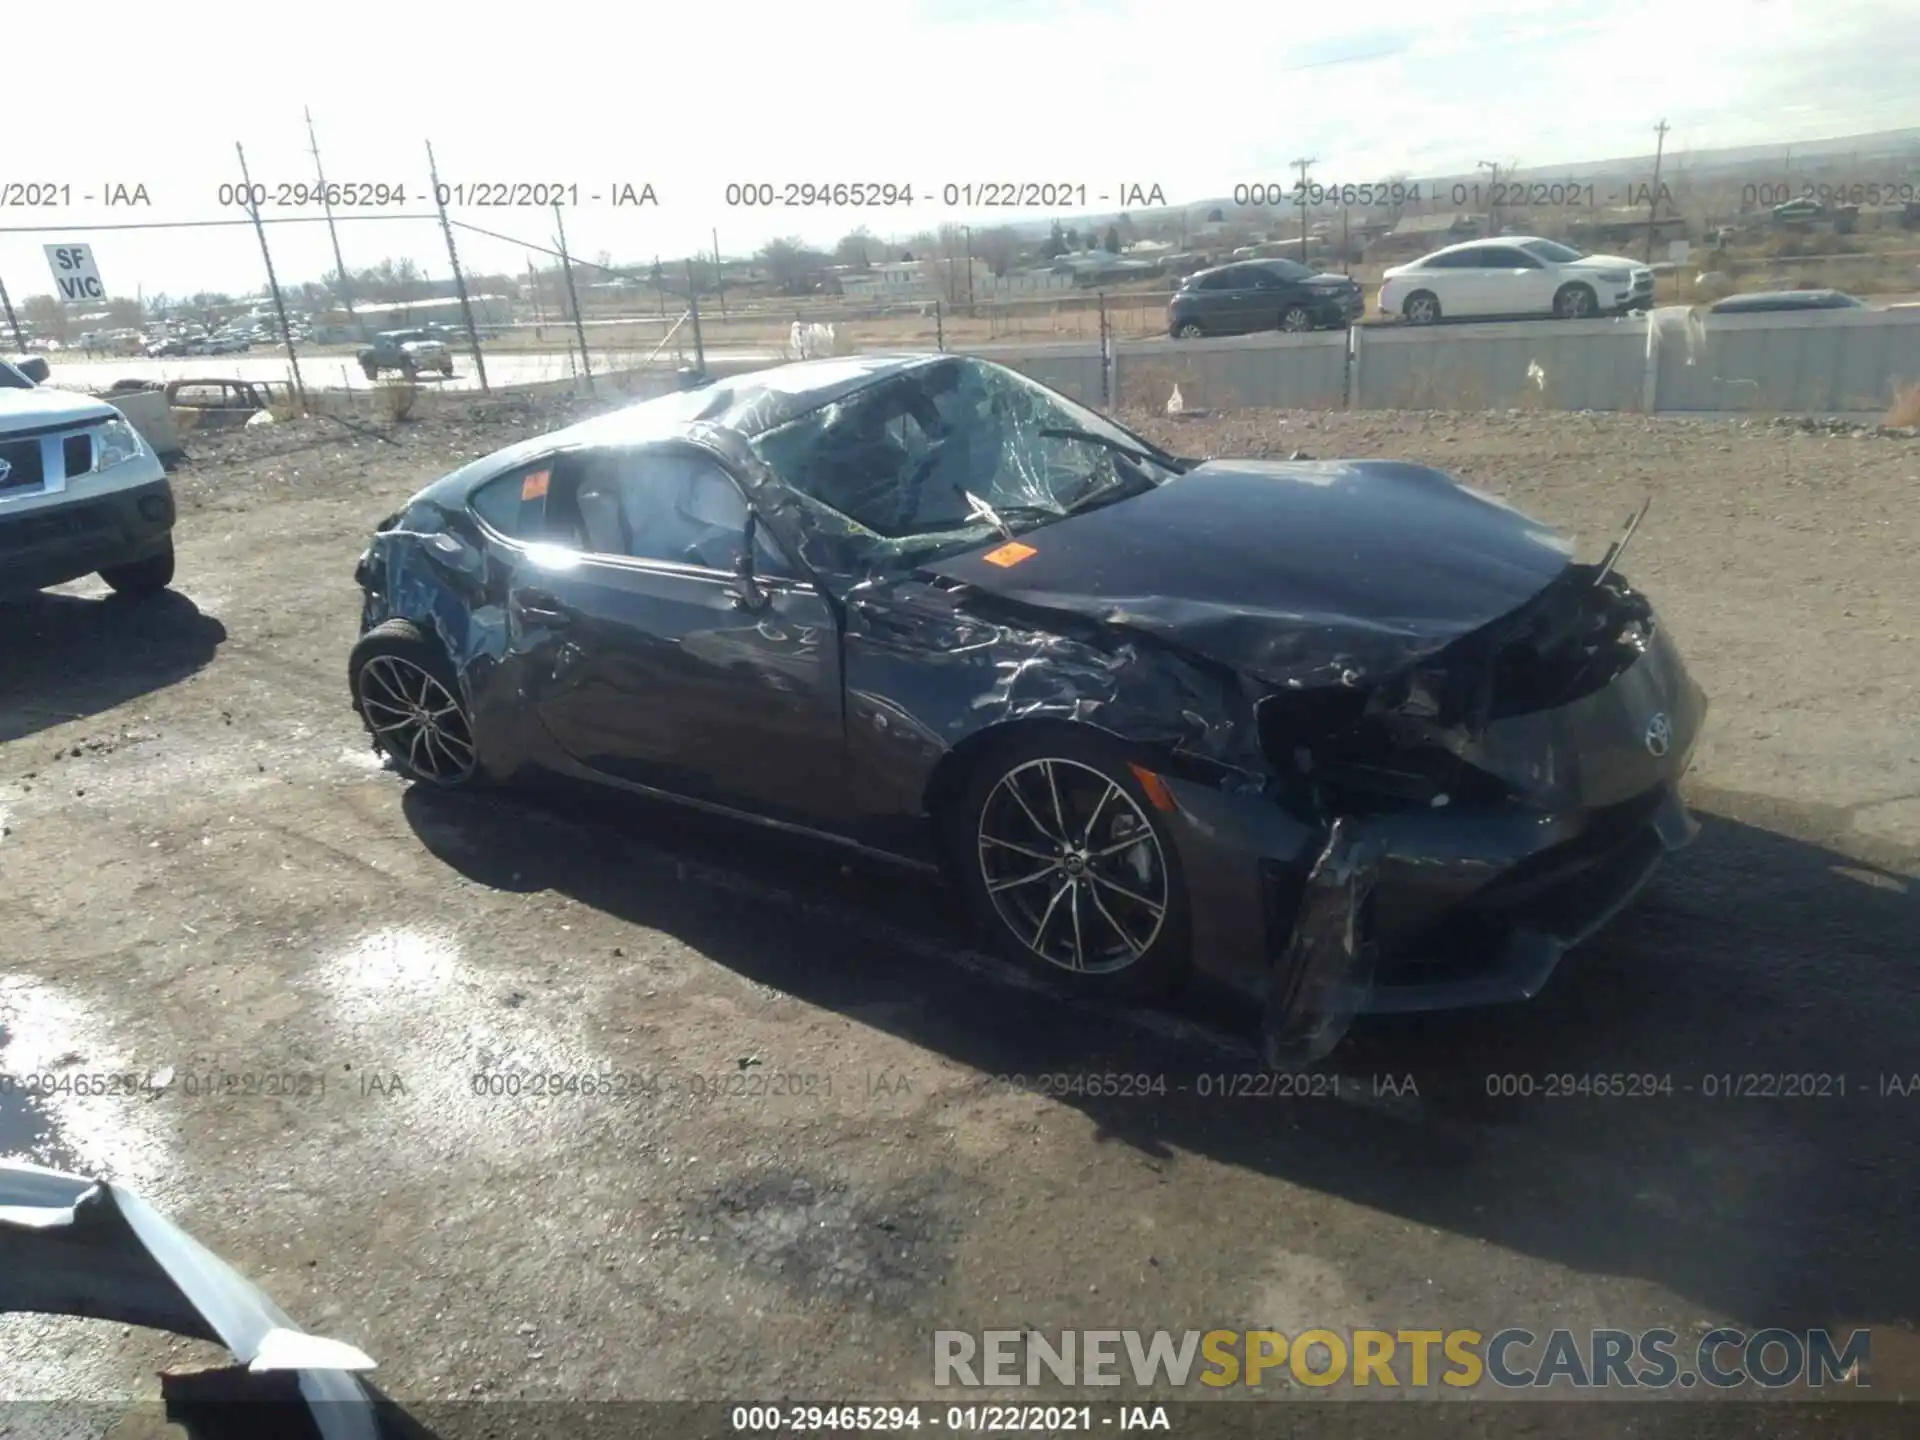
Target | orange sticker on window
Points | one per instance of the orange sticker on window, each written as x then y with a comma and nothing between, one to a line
1011,553
534,487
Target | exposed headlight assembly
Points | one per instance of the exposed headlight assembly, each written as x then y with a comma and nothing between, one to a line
115,443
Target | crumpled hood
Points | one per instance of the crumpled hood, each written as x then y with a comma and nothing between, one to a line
1295,573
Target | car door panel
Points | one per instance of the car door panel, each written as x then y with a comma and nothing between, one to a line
1515,283
662,675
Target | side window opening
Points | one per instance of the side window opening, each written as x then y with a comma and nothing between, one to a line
522,505
667,505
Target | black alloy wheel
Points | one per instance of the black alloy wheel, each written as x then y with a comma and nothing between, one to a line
1068,866
409,698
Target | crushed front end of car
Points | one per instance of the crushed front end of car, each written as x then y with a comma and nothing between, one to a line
1438,836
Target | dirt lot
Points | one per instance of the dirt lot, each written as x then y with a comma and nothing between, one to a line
206,869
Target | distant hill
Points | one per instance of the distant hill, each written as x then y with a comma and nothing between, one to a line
1901,147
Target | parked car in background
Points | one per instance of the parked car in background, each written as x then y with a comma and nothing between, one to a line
1514,277
228,344
1254,295
408,351
1766,300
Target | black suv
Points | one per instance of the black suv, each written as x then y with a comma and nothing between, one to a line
1255,295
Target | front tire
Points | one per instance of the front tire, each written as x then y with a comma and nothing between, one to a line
1576,302
143,577
1296,320
407,694
1070,869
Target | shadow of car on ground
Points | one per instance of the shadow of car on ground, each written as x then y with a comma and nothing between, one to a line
68,657
1757,953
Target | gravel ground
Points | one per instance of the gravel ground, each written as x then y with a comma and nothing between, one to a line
206,869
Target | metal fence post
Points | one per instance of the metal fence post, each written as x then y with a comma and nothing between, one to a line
939,328
459,280
573,297
12,322
693,307
1106,354
273,283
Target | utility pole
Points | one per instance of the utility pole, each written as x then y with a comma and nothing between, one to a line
1653,203
13,322
326,201
273,282
1492,167
459,280
573,296
1301,190
969,230
719,284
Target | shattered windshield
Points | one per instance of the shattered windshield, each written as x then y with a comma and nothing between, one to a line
938,458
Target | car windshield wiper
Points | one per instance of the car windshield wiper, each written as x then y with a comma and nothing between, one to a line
978,509
1093,437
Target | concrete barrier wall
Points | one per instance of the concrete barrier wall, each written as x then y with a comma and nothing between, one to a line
1849,362
1303,372
1553,365
1073,369
1838,361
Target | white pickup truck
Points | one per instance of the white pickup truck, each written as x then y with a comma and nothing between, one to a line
80,493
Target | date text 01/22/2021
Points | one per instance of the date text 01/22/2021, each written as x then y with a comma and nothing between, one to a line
960,1419
953,195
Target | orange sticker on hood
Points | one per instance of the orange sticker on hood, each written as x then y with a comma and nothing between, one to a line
1011,553
534,487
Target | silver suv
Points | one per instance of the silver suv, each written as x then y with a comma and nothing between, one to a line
80,493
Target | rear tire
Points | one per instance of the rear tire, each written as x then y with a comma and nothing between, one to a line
143,577
406,693
1422,308
1189,331
371,371
1069,868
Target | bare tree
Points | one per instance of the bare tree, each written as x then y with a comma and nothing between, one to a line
791,265
998,249
856,248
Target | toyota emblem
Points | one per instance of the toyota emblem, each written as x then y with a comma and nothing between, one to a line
1659,734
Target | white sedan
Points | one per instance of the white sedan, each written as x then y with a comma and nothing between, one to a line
1514,277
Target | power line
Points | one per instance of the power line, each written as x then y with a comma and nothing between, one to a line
198,224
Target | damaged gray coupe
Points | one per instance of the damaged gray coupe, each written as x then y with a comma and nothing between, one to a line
1346,734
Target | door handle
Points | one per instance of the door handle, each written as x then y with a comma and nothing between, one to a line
540,608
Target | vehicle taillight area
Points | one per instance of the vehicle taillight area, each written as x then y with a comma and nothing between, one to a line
1574,642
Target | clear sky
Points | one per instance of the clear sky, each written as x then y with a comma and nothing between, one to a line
1191,96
